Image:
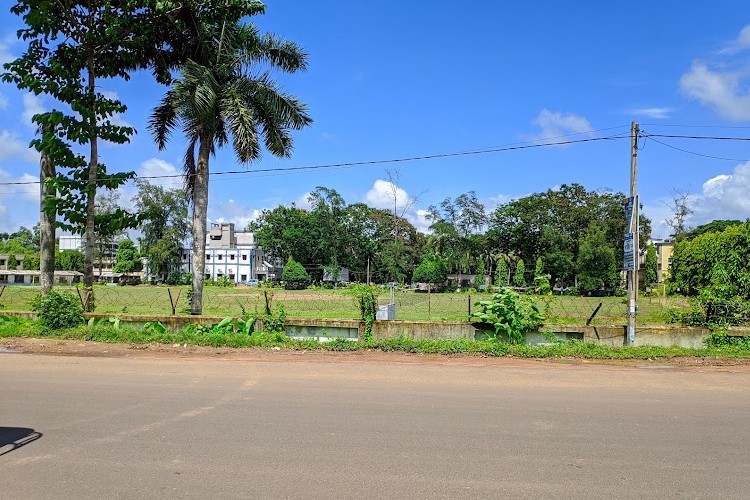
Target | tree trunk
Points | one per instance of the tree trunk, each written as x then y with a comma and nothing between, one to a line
88,267
46,227
200,213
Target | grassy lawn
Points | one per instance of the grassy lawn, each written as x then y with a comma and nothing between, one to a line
340,304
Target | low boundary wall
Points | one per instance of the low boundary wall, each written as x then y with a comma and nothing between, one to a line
656,335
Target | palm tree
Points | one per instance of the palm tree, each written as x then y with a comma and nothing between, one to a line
228,96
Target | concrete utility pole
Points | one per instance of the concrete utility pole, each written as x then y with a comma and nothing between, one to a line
633,235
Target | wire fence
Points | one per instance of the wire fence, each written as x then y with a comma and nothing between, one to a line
409,305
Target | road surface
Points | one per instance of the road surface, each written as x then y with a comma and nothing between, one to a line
315,425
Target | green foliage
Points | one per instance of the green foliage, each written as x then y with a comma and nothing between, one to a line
127,260
59,310
716,260
596,266
722,339
221,282
511,314
719,345
431,270
651,265
366,297
480,272
519,279
541,280
274,321
164,226
501,273
294,275
69,260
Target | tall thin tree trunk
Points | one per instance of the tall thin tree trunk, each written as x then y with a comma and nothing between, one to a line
200,214
88,267
46,226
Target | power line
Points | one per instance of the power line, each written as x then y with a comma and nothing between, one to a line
704,137
696,153
375,162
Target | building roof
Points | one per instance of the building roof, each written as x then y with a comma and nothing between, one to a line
29,272
245,238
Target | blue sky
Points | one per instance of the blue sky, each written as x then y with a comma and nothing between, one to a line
393,79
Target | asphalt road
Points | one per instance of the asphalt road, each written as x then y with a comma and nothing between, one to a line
323,426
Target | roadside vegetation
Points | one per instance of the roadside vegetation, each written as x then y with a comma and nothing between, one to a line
236,333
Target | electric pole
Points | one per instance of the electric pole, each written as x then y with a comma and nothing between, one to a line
631,239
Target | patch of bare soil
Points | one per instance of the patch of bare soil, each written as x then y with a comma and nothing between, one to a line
176,351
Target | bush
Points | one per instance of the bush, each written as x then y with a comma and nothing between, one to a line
294,275
59,310
431,270
510,314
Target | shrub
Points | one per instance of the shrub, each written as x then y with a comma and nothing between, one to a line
431,270
518,278
511,314
366,297
294,275
59,310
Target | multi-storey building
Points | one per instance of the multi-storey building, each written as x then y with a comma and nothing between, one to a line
104,253
232,254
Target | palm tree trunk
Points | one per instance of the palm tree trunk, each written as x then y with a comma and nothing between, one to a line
200,214
46,227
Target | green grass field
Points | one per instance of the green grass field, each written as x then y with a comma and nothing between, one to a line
340,304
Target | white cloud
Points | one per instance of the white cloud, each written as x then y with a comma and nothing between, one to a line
382,193
13,147
5,55
555,124
303,201
722,197
655,113
117,118
19,203
156,167
3,102
234,212
420,221
722,91
740,43
32,105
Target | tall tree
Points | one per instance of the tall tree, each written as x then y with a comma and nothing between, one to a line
73,46
46,224
596,261
164,227
219,96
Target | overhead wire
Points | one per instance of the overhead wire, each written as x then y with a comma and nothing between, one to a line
522,146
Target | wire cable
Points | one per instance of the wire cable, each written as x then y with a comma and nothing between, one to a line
696,153
374,162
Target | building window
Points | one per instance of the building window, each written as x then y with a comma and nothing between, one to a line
231,276
219,257
231,257
243,277
208,256
244,257
18,278
2,262
208,276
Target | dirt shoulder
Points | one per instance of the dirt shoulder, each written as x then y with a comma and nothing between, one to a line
176,351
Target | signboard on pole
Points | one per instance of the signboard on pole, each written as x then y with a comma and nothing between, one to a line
629,212
629,261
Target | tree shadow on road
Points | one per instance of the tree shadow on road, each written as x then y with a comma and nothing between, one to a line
12,438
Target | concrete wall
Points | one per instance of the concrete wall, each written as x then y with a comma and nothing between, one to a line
655,335
423,329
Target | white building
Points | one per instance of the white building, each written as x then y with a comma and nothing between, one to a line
233,254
